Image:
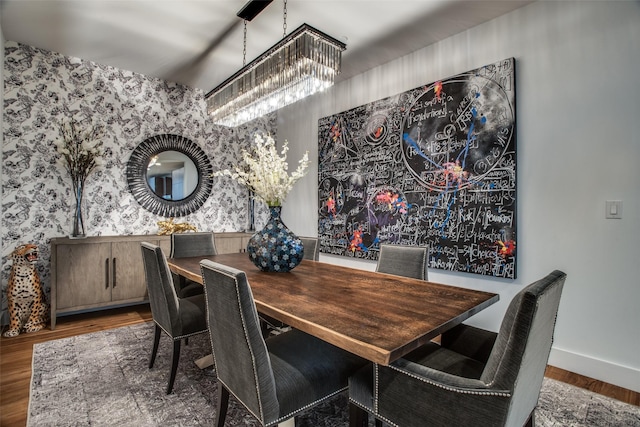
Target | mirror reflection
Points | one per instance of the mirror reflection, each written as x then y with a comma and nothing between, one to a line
172,175
169,175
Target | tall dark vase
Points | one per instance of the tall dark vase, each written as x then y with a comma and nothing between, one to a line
275,247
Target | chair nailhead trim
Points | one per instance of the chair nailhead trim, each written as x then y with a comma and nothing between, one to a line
375,389
181,336
375,414
453,389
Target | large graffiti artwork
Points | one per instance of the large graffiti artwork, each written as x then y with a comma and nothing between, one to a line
434,166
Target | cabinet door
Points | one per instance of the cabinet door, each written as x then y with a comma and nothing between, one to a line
129,281
226,245
83,276
230,244
165,244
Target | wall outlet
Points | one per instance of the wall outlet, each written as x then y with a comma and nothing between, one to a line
614,209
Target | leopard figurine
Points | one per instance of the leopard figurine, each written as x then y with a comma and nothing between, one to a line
27,304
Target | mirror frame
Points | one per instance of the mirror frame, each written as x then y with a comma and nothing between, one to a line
137,175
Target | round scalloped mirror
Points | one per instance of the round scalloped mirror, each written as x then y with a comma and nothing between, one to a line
169,175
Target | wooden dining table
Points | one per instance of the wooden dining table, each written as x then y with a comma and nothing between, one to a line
380,317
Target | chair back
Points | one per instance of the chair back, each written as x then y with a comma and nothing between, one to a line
162,295
185,245
519,356
311,248
403,260
240,353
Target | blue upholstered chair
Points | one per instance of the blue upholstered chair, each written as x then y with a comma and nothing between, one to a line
185,245
474,378
177,317
403,260
276,378
311,248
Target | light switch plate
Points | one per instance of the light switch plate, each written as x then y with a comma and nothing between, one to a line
614,209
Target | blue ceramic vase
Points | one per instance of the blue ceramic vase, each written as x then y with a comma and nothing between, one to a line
275,247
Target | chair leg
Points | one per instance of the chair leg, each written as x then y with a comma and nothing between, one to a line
358,417
156,341
223,404
174,365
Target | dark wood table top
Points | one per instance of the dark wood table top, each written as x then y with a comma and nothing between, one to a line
378,316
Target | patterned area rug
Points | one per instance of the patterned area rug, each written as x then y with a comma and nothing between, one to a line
101,379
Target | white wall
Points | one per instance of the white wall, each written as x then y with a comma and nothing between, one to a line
578,108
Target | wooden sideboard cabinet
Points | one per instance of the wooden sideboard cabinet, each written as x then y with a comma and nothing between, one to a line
103,272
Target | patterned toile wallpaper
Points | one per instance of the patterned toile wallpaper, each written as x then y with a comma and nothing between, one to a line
41,89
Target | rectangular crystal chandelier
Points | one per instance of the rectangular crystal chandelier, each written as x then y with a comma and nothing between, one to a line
301,64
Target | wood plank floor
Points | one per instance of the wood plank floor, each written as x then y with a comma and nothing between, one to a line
15,361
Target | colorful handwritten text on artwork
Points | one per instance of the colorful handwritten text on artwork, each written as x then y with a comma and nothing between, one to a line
434,166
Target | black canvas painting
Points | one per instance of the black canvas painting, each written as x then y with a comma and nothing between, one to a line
434,166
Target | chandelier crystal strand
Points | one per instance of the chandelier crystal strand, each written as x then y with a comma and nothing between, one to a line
301,64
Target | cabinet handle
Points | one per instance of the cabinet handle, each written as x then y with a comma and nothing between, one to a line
114,272
106,273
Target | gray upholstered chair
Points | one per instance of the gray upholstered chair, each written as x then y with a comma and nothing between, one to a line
403,260
188,245
311,248
276,378
177,317
475,377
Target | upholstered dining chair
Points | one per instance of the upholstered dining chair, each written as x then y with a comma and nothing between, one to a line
276,378
188,245
474,378
177,317
403,260
311,248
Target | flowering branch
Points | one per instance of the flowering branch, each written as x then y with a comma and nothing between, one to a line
266,173
80,150
81,153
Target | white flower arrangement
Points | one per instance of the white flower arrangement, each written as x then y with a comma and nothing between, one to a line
265,172
81,151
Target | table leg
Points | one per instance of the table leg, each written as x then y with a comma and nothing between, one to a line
205,362
291,422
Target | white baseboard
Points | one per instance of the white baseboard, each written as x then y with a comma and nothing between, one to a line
622,376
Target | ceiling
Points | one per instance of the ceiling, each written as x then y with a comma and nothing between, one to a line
200,42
